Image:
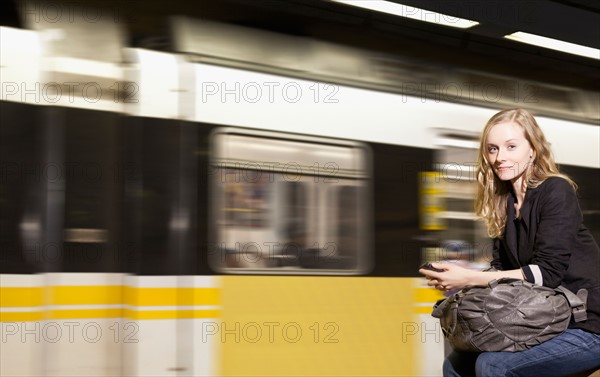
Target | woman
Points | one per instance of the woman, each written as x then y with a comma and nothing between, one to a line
532,212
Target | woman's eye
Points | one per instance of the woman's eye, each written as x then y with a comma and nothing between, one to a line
512,146
492,149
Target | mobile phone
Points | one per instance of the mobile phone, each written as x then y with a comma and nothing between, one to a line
428,266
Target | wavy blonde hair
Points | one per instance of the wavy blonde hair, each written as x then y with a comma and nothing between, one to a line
492,193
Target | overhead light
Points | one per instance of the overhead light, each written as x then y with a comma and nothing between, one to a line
555,44
410,12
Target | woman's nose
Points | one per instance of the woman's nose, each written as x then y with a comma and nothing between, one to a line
500,155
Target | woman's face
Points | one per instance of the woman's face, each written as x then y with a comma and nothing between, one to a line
508,151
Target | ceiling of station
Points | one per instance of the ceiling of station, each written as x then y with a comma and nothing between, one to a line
480,48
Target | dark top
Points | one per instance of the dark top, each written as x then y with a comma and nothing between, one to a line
552,246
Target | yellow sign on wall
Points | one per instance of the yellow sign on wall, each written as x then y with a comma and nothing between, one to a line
432,203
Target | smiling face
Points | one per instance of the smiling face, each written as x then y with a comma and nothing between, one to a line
508,151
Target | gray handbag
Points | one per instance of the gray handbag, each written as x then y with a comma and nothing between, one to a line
508,315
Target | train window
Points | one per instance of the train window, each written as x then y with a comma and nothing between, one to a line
289,204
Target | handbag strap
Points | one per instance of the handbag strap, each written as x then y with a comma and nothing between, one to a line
577,302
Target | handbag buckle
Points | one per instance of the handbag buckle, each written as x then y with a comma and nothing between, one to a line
579,313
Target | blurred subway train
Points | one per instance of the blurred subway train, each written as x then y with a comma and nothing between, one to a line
248,204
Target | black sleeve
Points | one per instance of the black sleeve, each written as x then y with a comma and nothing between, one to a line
559,220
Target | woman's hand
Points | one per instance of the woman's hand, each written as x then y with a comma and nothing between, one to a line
457,277
453,277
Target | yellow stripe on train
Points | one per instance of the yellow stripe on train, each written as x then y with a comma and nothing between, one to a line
21,297
64,302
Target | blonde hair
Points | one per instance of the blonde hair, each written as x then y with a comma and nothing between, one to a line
492,193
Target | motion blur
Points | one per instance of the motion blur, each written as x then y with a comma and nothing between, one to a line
246,203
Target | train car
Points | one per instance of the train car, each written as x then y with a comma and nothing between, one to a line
215,210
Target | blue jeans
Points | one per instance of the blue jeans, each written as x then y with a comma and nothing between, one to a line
571,352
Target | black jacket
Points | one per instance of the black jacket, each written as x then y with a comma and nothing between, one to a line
551,244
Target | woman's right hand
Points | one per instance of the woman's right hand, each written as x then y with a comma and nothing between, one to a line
453,277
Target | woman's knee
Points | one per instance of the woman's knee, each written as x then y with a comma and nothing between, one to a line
490,364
